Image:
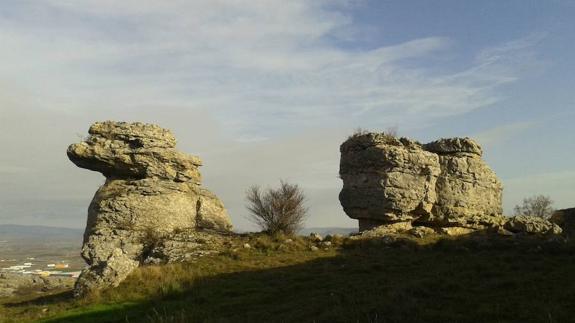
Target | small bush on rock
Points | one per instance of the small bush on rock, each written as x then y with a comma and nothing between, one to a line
280,210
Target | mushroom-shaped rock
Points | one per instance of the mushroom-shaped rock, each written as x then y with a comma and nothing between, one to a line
151,189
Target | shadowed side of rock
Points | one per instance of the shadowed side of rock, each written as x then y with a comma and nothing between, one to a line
151,190
565,218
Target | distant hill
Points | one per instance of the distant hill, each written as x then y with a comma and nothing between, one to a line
328,230
37,233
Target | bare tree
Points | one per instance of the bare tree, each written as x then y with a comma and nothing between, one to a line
389,131
538,205
277,210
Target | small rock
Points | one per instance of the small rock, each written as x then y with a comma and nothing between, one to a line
501,231
247,246
288,241
420,231
456,231
314,248
326,243
315,237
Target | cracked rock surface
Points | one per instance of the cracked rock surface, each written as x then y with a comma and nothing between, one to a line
445,183
151,190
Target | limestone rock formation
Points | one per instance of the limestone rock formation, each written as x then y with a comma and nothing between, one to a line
444,183
532,225
565,218
151,190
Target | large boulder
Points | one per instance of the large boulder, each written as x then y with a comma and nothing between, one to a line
565,218
445,183
151,190
468,192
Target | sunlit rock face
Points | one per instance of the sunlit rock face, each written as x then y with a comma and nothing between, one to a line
444,183
151,189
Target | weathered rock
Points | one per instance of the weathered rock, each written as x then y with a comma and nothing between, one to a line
386,180
444,183
455,231
566,220
532,225
387,229
421,231
151,190
468,192
187,245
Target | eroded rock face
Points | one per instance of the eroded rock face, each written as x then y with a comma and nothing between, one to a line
532,225
151,189
441,184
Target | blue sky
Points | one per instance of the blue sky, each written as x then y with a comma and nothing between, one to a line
263,90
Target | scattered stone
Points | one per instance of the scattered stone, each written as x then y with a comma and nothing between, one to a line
421,231
315,237
314,248
387,229
532,225
152,191
500,230
325,243
247,246
441,184
186,245
456,231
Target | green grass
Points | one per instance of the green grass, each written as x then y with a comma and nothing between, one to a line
457,280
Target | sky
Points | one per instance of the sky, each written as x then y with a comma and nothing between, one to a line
268,90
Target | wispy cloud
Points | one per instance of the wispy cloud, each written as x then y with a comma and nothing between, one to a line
260,89
252,63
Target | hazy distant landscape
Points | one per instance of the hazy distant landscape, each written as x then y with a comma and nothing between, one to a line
40,245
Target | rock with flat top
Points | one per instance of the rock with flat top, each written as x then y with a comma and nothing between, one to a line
445,183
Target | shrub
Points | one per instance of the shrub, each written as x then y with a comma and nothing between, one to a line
389,132
538,205
280,210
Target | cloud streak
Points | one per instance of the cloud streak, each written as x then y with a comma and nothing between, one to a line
251,62
261,90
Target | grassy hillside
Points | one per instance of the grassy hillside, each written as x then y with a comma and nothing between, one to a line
457,280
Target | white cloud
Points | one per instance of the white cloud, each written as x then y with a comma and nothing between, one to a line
252,62
258,89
